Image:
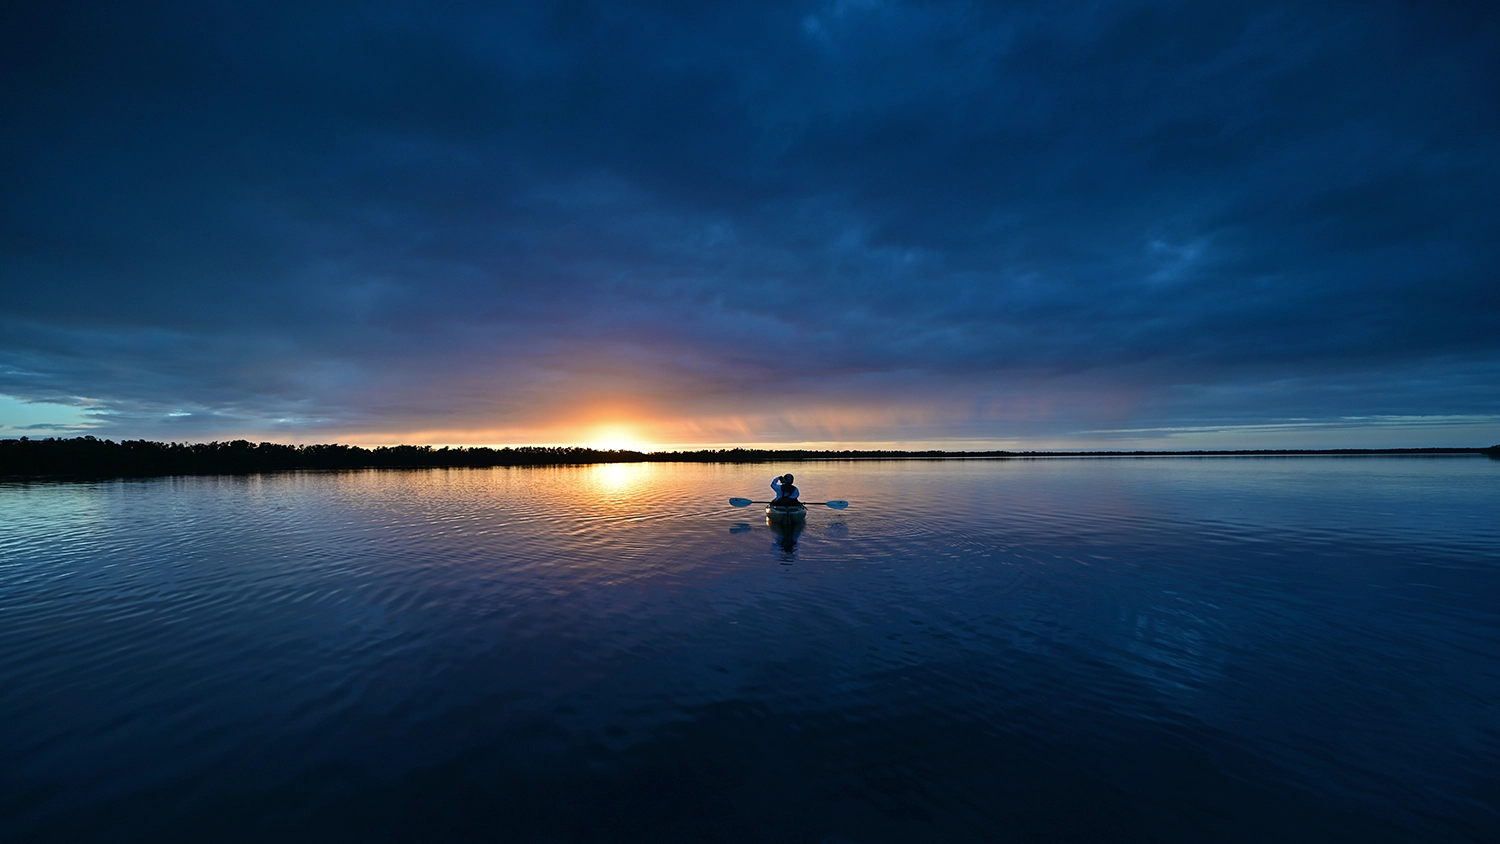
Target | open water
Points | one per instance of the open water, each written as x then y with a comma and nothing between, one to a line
1163,649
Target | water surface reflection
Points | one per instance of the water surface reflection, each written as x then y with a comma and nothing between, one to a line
1168,649
787,534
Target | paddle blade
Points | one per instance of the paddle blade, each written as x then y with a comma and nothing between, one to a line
837,505
740,502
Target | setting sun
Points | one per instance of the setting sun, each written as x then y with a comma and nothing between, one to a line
616,438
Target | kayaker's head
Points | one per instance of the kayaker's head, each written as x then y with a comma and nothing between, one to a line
787,478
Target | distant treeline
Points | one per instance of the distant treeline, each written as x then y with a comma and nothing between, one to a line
88,456
95,458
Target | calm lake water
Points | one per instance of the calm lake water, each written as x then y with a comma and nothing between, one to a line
1164,649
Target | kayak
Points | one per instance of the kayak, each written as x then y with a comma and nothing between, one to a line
780,513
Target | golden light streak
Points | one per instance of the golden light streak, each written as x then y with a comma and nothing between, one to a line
830,427
991,421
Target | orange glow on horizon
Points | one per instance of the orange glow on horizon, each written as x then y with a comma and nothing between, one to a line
851,427
967,423
617,438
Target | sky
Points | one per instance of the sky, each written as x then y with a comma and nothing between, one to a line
854,224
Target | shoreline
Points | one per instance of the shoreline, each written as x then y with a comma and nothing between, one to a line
88,458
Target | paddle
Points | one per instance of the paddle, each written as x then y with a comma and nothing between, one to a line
745,502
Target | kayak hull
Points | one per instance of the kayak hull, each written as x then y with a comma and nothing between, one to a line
778,513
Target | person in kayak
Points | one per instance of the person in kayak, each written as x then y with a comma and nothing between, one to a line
786,494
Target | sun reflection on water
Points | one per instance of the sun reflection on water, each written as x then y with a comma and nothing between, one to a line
620,480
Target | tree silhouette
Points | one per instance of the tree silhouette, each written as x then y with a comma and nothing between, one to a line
89,457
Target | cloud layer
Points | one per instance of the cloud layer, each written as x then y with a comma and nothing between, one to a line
752,223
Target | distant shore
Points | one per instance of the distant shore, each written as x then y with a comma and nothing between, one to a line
88,457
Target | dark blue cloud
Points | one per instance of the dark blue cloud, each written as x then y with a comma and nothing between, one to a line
966,221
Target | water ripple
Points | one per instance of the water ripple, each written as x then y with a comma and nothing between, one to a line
1206,649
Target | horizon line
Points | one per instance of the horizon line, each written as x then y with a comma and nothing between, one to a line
759,449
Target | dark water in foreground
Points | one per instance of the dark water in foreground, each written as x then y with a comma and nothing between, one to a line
1231,649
